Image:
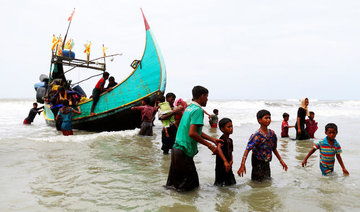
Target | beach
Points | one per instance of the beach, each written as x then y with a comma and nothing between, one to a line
42,170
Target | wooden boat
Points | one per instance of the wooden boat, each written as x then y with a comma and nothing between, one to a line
112,112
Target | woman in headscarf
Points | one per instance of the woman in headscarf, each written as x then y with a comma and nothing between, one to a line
179,104
303,111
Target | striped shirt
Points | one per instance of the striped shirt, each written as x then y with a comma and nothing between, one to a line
327,152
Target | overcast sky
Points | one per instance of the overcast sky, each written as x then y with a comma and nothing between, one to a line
237,49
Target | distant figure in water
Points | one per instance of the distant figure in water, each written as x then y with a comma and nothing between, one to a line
147,114
223,170
66,112
33,111
303,111
285,126
263,143
328,147
213,119
99,88
182,174
311,125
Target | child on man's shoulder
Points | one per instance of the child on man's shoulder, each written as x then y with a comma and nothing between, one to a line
223,170
263,143
329,147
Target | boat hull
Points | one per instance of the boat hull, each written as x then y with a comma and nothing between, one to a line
122,118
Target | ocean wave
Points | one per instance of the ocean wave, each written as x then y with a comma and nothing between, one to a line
85,136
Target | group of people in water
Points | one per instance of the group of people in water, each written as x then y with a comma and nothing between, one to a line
63,100
305,128
182,131
182,138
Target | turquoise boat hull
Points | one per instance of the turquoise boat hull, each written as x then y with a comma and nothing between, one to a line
148,80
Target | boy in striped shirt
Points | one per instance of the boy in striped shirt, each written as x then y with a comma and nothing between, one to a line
329,147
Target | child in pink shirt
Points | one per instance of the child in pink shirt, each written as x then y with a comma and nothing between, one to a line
285,126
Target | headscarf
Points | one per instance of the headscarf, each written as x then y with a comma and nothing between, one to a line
304,106
182,103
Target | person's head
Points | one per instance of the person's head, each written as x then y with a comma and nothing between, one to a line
200,95
161,98
111,79
225,125
181,102
286,116
65,103
312,115
304,102
331,131
145,101
106,75
216,111
170,97
35,105
264,117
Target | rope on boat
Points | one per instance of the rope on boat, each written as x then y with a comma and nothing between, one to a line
86,79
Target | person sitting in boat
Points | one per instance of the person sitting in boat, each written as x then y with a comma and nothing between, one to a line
99,88
65,112
33,111
69,95
111,84
147,114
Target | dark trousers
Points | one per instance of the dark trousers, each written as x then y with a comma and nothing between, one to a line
168,142
182,175
260,169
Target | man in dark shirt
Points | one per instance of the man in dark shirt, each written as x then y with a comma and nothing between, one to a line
32,113
112,83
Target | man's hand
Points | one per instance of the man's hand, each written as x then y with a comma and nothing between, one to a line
218,141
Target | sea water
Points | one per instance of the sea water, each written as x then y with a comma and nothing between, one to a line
41,170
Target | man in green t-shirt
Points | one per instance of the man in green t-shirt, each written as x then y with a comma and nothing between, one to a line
182,174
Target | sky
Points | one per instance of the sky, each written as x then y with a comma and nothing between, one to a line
237,49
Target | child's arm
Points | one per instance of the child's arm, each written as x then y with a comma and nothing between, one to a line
298,125
307,156
242,168
279,158
338,157
221,154
194,135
